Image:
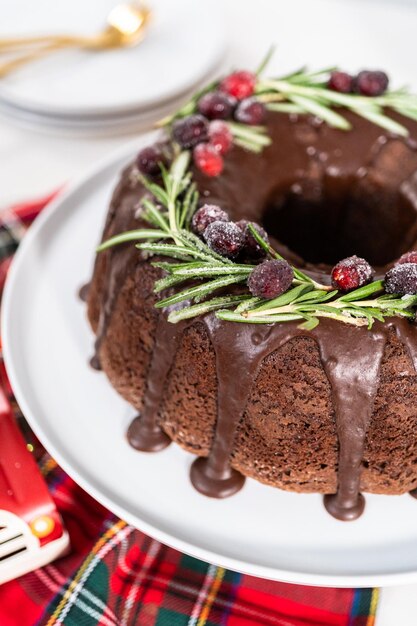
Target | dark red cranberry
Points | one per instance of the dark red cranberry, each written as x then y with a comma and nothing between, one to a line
216,105
270,279
340,81
220,136
351,273
207,214
402,279
225,238
250,111
149,161
208,159
371,83
251,248
240,84
408,257
190,131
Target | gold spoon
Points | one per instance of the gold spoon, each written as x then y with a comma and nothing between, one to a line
126,25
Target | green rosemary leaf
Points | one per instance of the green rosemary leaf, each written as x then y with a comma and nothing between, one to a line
133,235
263,64
167,281
247,145
204,307
314,107
199,291
152,214
158,192
187,204
248,304
178,170
191,240
363,292
286,298
310,323
253,134
317,295
383,121
214,270
285,107
231,316
171,250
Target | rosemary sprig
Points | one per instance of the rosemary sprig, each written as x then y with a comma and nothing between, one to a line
307,92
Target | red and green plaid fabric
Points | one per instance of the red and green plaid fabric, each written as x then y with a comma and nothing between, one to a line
116,575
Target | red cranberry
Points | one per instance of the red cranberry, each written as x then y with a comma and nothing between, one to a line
240,84
220,136
371,83
408,257
207,214
225,238
270,279
402,279
208,159
250,111
251,248
340,81
216,105
351,273
149,161
190,131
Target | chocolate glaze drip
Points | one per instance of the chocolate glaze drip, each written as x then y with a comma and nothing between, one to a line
83,292
144,432
304,158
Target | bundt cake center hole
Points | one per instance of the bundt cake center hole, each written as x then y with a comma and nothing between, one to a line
330,227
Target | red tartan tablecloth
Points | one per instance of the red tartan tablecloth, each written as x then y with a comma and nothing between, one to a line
116,575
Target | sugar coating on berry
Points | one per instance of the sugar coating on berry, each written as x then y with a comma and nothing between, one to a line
216,105
240,84
341,82
149,161
351,273
208,160
251,248
190,131
250,111
270,279
225,238
220,136
206,215
407,257
402,279
371,83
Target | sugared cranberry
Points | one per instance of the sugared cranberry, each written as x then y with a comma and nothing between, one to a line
251,248
270,279
190,131
220,136
225,238
340,81
250,111
402,279
149,161
351,273
206,215
240,84
371,83
408,257
216,105
208,159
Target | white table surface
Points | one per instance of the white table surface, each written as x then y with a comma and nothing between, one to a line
33,163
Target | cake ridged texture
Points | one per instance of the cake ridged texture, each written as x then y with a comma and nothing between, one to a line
287,435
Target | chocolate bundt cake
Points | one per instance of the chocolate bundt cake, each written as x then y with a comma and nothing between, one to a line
326,407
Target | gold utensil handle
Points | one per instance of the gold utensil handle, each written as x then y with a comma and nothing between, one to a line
23,59
11,43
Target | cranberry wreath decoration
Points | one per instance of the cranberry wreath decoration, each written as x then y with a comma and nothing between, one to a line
211,252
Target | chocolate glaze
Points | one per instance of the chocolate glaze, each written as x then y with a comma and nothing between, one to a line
83,292
307,159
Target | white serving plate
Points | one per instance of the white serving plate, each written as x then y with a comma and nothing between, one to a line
184,42
82,422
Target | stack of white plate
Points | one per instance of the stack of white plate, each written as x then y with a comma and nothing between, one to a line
112,91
